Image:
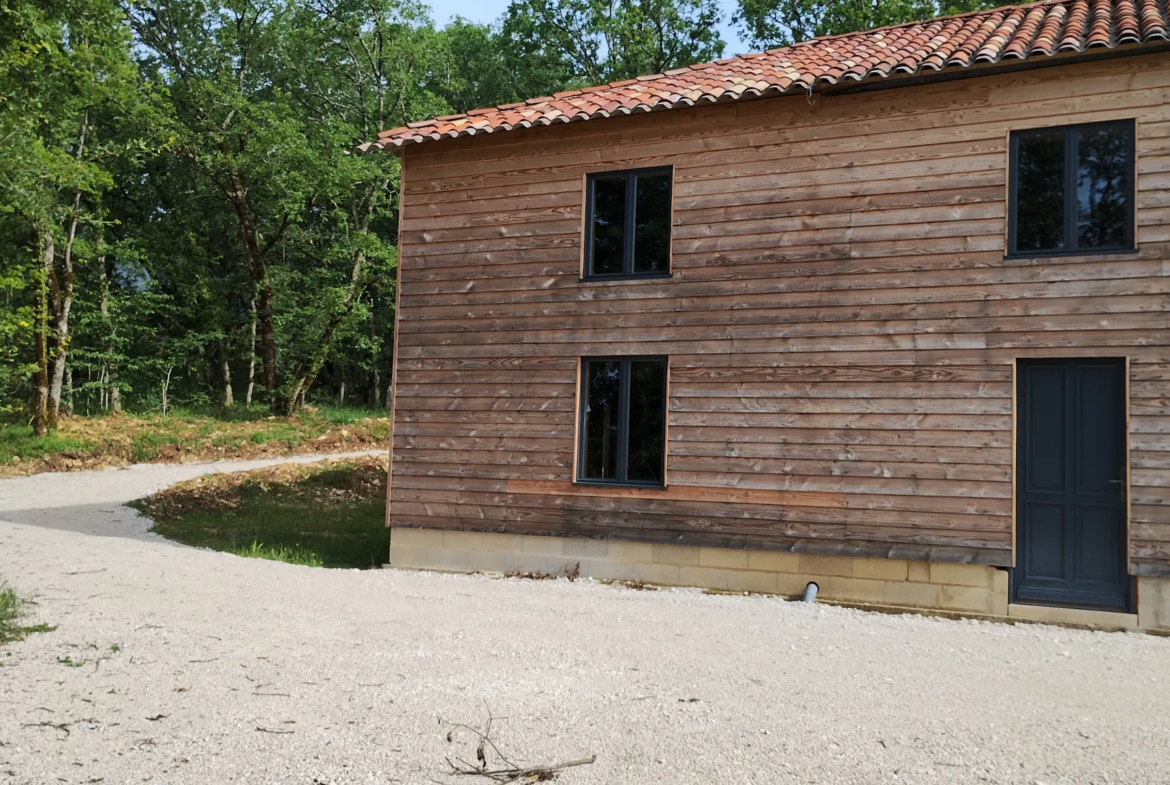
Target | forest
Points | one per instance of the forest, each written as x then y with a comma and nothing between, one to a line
182,222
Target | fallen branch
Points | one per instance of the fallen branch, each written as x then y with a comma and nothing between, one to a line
533,773
508,771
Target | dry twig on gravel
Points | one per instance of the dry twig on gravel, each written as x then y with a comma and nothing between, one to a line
505,770
570,571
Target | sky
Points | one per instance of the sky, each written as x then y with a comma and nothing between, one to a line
485,11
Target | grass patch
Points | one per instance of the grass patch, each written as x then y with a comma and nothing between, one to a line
184,436
329,514
11,611
302,556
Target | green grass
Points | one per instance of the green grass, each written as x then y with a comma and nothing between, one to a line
18,441
11,610
295,555
325,516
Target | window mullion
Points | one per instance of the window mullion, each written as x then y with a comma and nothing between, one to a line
631,217
623,445
1071,148
1013,192
1131,187
582,405
589,226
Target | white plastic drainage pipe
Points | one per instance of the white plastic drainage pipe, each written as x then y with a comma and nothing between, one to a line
810,592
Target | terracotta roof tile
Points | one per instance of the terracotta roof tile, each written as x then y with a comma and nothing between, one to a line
1017,32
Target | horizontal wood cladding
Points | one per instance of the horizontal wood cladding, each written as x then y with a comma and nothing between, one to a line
841,322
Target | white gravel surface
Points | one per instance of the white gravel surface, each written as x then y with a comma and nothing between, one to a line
201,667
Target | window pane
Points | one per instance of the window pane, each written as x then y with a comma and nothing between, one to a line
609,219
1103,187
652,224
1040,193
602,379
647,420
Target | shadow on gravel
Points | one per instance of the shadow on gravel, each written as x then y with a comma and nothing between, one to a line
102,520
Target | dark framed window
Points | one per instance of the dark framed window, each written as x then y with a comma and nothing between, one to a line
622,437
1071,190
627,224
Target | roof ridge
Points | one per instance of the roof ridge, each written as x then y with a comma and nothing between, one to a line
956,41
541,99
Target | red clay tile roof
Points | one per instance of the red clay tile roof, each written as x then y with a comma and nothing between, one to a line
1013,32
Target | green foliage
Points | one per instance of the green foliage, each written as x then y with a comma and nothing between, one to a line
68,95
474,69
770,23
558,43
11,611
190,161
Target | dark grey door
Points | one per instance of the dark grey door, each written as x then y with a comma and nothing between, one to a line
1070,514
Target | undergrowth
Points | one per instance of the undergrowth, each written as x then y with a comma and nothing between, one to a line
188,435
11,611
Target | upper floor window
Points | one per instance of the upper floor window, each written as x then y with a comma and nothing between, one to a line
627,223
1071,190
623,420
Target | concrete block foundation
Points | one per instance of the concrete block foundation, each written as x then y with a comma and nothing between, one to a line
925,586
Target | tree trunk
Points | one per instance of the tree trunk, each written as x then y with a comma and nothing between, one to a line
375,393
166,387
307,371
41,395
113,399
62,294
226,373
251,358
61,289
263,288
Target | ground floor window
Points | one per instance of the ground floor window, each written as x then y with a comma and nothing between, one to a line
623,420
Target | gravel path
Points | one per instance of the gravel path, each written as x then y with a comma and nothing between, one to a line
202,667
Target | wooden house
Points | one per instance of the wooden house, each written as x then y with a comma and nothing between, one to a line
887,311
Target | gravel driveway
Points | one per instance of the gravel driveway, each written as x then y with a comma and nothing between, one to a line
201,667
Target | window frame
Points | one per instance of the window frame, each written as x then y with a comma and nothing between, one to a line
629,224
623,446
1071,135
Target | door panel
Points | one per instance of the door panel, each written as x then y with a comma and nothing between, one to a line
1071,533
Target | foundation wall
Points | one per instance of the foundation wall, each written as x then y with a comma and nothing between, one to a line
938,586
935,586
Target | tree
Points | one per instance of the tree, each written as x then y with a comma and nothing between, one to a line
228,122
770,23
358,67
473,70
178,198
66,78
555,44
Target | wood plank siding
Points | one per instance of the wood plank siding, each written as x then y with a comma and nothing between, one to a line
842,324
